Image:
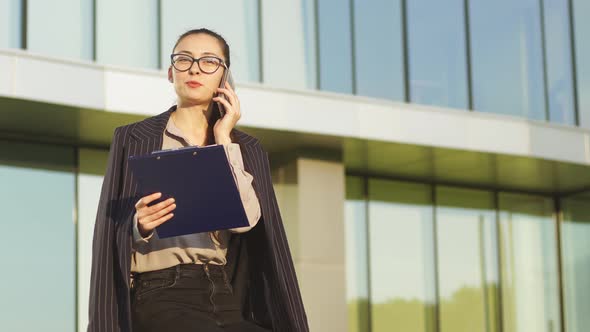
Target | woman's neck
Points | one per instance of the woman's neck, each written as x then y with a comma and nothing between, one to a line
193,121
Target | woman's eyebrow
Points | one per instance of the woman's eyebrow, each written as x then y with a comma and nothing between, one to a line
202,53
209,53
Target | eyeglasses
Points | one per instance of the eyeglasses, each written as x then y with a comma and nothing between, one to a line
207,64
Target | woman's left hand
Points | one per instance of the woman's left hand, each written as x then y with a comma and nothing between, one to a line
223,126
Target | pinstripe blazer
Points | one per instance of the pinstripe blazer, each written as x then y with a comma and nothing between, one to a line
259,261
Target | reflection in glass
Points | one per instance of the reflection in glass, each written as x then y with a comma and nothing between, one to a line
378,49
137,44
467,260
48,37
436,53
401,261
558,50
11,23
355,230
335,46
235,20
575,232
528,255
580,10
507,63
38,244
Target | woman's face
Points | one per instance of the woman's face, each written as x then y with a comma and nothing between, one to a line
194,87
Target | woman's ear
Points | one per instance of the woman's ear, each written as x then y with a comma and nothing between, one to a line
170,79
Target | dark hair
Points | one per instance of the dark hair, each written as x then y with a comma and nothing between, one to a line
211,33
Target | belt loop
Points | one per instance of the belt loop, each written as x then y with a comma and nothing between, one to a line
177,274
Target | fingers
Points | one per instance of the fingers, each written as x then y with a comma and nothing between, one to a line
223,101
228,107
231,94
157,210
150,226
147,213
157,207
151,217
144,201
151,221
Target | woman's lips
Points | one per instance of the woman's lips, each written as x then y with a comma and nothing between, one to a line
193,84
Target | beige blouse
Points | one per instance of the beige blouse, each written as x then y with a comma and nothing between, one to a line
152,253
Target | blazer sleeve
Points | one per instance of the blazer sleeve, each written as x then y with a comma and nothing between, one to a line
103,306
283,296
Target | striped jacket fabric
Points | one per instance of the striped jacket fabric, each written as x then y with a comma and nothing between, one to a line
259,261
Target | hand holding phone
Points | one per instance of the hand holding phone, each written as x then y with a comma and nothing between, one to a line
227,77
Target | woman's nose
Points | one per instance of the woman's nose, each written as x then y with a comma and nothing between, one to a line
194,69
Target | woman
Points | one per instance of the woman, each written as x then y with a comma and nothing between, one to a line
230,280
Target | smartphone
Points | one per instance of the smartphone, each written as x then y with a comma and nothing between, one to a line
227,77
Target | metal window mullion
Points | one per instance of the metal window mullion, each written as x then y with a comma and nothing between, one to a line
405,52
94,32
574,62
558,222
467,27
499,304
76,236
316,16
544,57
437,301
353,49
368,249
159,34
260,44
24,21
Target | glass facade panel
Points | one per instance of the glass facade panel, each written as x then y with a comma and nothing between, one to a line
467,259
355,230
528,255
70,36
558,49
134,46
38,252
335,45
436,52
575,232
582,46
401,263
11,23
378,49
288,48
239,27
507,57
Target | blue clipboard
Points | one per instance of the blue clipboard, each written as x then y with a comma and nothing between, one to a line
202,183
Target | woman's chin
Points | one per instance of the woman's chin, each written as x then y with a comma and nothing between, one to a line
188,101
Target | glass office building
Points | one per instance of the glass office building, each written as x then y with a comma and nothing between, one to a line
431,158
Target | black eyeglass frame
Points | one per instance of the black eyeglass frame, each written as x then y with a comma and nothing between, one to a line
221,62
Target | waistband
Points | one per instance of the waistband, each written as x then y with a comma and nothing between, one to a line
183,271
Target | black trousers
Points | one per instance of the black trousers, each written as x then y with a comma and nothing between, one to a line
187,297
